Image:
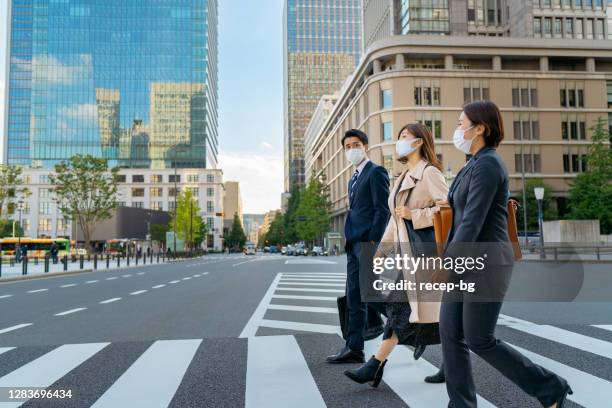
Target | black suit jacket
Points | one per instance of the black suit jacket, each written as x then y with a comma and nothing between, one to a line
368,212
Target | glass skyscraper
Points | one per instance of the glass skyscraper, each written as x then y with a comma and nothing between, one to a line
133,81
322,45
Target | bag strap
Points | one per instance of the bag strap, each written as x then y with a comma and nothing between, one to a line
415,182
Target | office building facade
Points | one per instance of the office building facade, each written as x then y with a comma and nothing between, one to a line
131,81
322,45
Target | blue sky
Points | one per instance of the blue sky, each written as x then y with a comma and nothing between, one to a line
250,97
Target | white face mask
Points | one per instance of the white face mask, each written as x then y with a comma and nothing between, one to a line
355,155
461,143
404,147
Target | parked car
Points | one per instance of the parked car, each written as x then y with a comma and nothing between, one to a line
301,250
266,249
273,249
284,250
316,251
290,250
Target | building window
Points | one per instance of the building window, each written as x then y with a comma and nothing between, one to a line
387,98
388,163
387,131
210,206
44,224
137,204
210,221
475,91
155,205
120,178
62,224
526,127
171,206
137,192
44,193
574,163
174,178
427,94
195,191
156,192
137,178
43,179
537,26
25,225
571,95
121,203
210,178
157,178
569,28
172,191
524,94
210,192
193,178
44,208
532,162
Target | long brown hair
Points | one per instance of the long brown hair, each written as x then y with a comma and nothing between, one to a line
428,152
486,113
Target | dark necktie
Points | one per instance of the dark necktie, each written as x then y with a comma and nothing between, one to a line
352,184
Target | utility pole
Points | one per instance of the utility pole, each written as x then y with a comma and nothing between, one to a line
175,206
190,226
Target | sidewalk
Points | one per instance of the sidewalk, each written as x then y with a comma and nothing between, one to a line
15,272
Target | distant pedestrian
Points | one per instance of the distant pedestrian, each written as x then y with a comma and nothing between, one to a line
138,251
54,251
24,252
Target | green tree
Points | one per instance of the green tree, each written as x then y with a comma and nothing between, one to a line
591,192
276,233
548,207
313,212
236,237
290,218
189,224
12,189
85,190
6,229
158,233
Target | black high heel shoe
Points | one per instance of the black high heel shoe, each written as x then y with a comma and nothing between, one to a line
371,372
561,400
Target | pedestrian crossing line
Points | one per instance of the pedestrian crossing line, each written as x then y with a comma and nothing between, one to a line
331,280
405,377
307,261
16,327
5,349
312,290
154,377
562,336
589,390
47,369
299,326
37,290
281,378
603,326
159,286
312,309
311,284
304,297
67,312
250,328
315,274
138,292
110,300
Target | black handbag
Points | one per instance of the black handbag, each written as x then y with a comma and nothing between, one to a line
374,323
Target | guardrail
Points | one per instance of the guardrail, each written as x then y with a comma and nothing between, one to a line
556,251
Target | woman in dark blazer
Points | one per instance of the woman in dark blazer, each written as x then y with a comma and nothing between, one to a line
479,198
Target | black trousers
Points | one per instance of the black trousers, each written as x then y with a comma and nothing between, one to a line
466,326
356,308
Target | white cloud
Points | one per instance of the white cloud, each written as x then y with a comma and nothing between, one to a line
260,178
267,145
84,112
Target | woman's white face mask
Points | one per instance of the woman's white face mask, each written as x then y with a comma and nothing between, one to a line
460,142
404,147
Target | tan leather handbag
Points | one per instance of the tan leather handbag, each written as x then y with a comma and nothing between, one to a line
443,221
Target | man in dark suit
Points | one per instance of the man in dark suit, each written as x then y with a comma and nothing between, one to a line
367,217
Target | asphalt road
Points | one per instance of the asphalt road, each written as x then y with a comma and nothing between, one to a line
232,330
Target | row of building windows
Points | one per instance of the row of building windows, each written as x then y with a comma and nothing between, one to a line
159,191
558,27
159,205
45,224
159,178
566,4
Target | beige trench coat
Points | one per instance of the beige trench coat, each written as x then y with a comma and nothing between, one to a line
423,186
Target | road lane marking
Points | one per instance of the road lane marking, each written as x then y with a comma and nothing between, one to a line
140,273
600,326
299,326
205,273
311,284
312,290
312,309
111,278
68,285
306,280
16,327
196,276
305,297
37,290
250,328
556,334
67,312
93,281
589,390
174,281
138,292
405,376
110,300
47,369
187,278
307,261
5,296
159,286
127,275
282,382
313,275
154,376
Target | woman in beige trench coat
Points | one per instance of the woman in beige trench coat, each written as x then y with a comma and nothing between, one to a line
412,202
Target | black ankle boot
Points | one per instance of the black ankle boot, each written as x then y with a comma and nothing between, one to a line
370,372
418,351
437,378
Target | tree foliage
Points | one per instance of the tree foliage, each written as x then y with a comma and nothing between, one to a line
236,237
85,190
6,229
12,189
190,226
313,211
591,192
158,233
548,208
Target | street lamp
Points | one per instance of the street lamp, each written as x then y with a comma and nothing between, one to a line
539,195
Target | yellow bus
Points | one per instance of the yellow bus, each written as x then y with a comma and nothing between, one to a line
37,247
